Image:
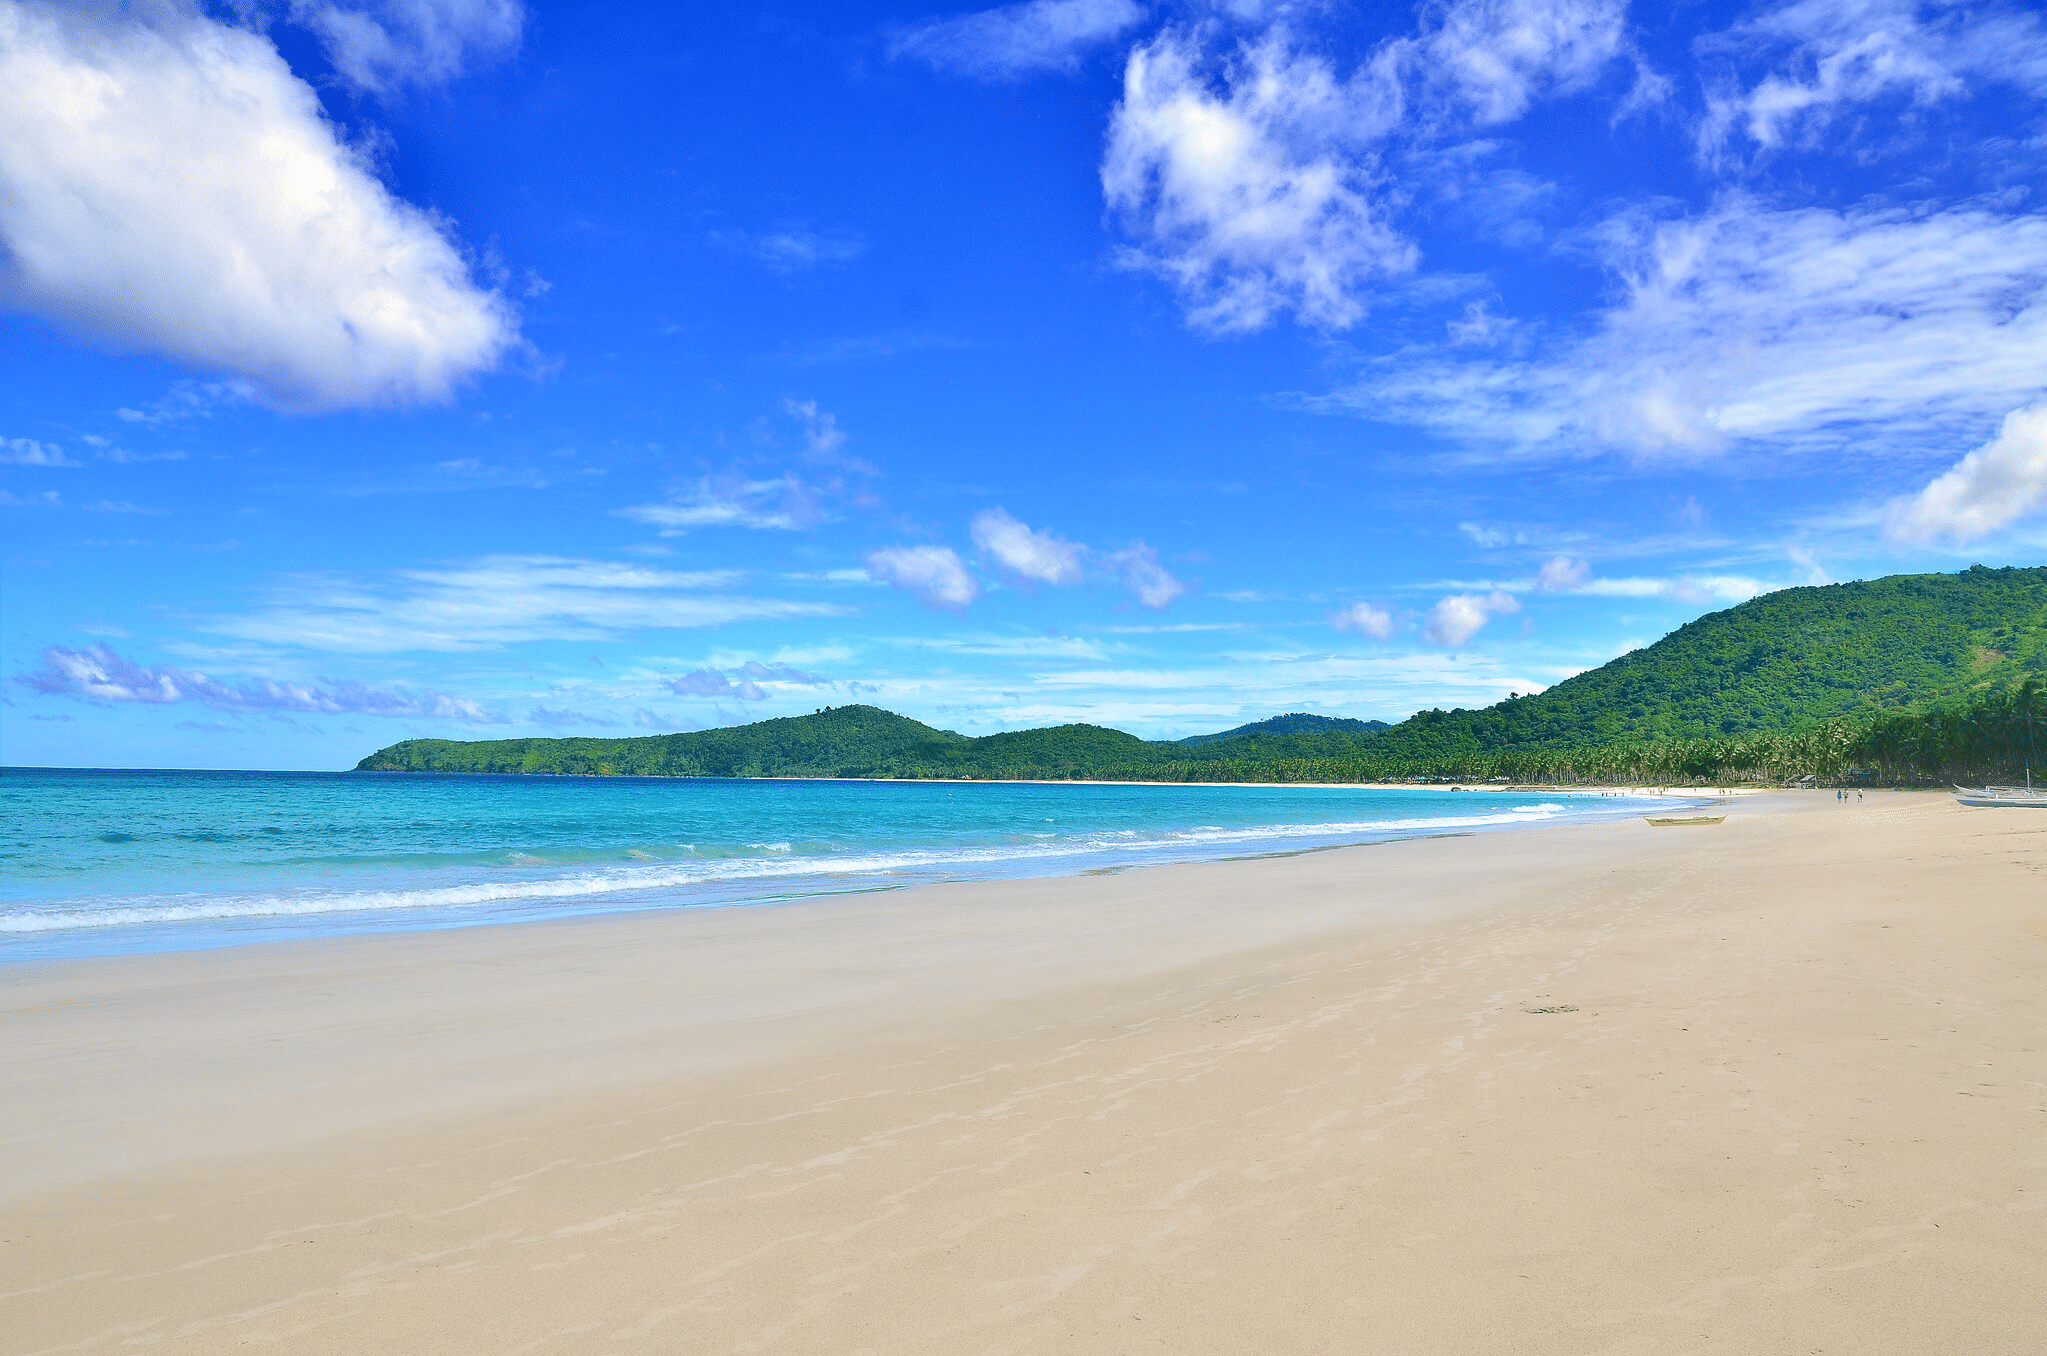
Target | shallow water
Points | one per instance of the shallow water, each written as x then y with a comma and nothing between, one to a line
97,862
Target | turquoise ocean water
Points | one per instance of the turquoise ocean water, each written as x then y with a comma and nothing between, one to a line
96,863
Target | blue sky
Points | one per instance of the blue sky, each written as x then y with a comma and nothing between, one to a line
471,368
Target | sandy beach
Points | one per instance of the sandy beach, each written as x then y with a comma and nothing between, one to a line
1774,1085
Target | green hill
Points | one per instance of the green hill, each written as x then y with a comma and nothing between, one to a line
1914,672
1295,722
1786,661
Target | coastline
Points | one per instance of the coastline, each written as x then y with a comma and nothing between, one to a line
659,844
1600,1087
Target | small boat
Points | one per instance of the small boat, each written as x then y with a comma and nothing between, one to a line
2002,797
1695,819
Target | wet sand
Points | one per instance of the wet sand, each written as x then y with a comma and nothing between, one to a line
1771,1085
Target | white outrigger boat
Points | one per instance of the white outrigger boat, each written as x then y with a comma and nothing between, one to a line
2003,797
2027,797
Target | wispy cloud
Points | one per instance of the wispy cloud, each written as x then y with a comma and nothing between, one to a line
793,249
1149,581
561,717
1016,40
783,503
744,682
1259,179
387,45
100,675
1800,75
493,601
710,683
1879,329
29,452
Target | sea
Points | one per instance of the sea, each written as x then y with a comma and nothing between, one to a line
96,863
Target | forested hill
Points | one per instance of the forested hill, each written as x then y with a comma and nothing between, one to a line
1295,722
1784,662
860,741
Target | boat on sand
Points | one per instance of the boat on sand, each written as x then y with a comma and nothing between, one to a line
2003,797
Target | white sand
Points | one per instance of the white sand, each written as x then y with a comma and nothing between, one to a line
1296,1104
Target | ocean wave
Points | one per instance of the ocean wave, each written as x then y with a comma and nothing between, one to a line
828,869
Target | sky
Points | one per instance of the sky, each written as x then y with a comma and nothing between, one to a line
381,369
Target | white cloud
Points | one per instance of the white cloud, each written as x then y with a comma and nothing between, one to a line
1822,62
1994,486
711,683
173,186
1456,619
934,573
1366,619
1040,557
1250,186
29,452
1144,576
824,442
1015,40
1262,182
1496,57
1561,574
793,249
1693,589
744,682
99,674
784,504
493,601
383,45
1878,329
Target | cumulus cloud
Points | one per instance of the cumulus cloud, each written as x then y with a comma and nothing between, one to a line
29,452
498,600
1881,329
1365,619
1016,40
1456,619
1037,556
100,675
1144,576
1993,487
1561,574
934,573
385,45
172,186
1790,75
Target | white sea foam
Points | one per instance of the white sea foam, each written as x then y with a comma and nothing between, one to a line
783,869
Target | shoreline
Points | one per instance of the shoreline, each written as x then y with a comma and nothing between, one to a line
1545,787
1773,1085
794,879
